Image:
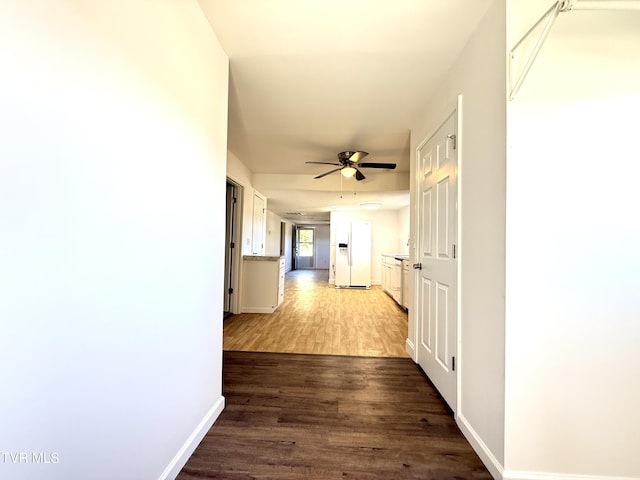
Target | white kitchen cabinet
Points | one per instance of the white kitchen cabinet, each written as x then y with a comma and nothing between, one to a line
396,281
262,283
386,274
258,223
406,278
392,275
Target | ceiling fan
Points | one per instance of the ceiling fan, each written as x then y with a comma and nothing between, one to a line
348,165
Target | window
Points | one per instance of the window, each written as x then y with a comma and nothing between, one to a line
305,242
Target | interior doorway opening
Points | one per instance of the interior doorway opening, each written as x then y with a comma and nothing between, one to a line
232,250
305,247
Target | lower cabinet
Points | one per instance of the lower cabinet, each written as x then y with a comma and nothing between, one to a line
396,282
392,277
262,284
386,274
406,278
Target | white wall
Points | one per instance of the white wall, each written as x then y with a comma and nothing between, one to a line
112,172
479,75
241,175
288,245
323,247
404,229
384,236
573,267
272,238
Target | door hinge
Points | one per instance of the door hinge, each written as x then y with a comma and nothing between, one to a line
453,250
454,140
232,245
453,364
230,290
235,200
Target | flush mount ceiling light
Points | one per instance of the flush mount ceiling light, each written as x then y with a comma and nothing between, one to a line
348,172
370,205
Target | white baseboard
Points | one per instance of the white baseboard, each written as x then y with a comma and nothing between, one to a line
176,464
499,473
258,309
411,349
490,461
521,475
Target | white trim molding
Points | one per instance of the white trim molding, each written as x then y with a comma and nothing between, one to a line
411,349
522,475
499,473
490,461
189,446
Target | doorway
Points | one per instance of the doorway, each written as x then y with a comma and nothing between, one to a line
283,234
305,247
231,255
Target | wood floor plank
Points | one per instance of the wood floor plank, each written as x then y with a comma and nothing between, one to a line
332,408
317,318
331,417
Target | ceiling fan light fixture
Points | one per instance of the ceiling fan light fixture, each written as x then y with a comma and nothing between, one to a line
348,167
348,172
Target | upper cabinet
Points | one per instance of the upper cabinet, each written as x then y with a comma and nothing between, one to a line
258,223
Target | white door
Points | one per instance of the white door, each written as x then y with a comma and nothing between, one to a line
305,247
436,287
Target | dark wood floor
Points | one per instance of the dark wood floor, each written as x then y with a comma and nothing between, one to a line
291,416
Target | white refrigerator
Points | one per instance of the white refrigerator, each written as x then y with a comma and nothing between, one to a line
353,255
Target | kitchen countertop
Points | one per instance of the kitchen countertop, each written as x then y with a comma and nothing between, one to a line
397,256
261,258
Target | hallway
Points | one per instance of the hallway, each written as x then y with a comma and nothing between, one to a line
333,412
317,318
327,417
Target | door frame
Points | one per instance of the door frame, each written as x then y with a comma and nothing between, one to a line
229,245
451,108
236,261
296,242
294,246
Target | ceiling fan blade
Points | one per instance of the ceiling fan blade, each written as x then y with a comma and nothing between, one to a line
359,175
358,156
389,166
324,163
327,173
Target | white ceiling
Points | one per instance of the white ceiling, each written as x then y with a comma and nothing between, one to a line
309,79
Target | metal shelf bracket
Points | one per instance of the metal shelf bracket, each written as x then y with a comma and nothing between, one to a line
517,78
